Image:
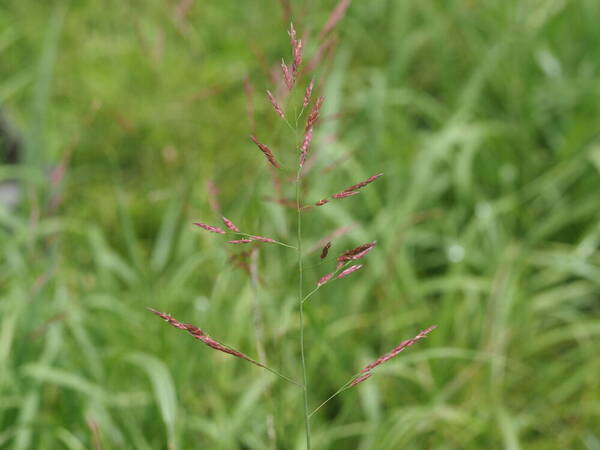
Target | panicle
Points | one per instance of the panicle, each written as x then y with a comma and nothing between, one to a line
360,379
305,146
229,224
267,152
404,344
362,184
240,241
356,253
169,319
292,34
349,270
287,75
322,202
200,335
325,250
276,105
209,228
308,93
353,190
262,239
324,279
344,194
314,113
296,51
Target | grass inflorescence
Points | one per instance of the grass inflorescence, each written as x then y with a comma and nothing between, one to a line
483,116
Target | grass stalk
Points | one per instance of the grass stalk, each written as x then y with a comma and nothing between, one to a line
301,306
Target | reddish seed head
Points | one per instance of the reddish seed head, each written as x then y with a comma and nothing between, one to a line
308,93
360,379
199,334
356,253
229,224
362,184
325,250
266,151
209,228
296,51
297,59
349,270
262,239
344,194
292,34
324,279
322,202
314,113
287,76
305,146
276,106
240,241
398,349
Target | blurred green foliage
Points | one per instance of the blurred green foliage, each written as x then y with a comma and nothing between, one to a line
483,116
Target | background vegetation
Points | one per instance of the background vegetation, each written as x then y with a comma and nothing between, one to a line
483,116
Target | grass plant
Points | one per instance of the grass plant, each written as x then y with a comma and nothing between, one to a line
483,116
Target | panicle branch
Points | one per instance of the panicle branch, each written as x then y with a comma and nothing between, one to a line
356,253
362,184
209,228
349,270
229,224
308,94
296,51
314,113
394,352
200,335
266,151
276,105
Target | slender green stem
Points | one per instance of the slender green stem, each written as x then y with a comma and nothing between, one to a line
273,371
301,305
339,391
345,386
307,296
